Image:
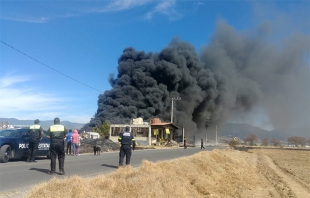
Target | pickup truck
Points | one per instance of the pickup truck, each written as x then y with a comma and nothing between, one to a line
14,144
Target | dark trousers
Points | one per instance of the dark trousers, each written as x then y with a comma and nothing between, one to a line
32,150
124,150
57,149
202,146
185,146
68,151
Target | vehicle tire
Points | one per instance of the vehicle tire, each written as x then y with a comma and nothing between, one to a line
5,153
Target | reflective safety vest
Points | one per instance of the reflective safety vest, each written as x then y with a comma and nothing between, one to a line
36,126
126,138
57,133
34,132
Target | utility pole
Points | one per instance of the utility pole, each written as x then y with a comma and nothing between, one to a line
172,99
183,134
215,135
208,121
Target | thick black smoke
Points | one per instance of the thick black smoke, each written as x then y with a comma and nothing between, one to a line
234,75
259,74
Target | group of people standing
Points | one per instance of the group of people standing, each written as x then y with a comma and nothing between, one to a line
185,144
57,133
73,142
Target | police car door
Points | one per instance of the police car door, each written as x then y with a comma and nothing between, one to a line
22,144
44,145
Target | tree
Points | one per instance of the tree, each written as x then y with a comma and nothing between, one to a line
276,142
265,142
252,138
103,130
233,143
297,141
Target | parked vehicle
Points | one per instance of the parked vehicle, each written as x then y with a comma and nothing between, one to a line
14,144
92,135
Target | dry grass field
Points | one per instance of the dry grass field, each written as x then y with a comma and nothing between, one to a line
217,173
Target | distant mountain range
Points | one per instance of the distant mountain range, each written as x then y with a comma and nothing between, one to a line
230,130
45,124
243,130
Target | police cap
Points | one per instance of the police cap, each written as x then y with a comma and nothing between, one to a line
37,121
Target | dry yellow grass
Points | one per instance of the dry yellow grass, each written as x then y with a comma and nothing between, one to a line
217,173
202,175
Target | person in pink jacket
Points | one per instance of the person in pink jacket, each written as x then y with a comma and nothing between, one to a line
75,140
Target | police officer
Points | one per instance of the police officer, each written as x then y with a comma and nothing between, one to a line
35,132
125,139
57,133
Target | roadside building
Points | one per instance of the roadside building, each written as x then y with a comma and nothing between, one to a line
146,133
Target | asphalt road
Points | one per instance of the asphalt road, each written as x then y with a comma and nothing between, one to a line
17,174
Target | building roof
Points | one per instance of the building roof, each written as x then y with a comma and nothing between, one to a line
154,125
164,124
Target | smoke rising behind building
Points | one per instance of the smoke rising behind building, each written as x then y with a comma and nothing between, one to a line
233,75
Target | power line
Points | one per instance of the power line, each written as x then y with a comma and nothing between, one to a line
50,67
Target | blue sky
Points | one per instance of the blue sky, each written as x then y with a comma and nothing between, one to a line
83,40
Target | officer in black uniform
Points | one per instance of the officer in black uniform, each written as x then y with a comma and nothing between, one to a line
35,134
57,133
125,139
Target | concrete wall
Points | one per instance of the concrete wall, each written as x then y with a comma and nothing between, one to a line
138,139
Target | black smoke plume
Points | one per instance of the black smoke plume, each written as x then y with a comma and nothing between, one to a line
234,75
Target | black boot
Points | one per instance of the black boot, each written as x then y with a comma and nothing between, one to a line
61,166
51,172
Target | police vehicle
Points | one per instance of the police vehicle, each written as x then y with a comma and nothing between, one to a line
14,144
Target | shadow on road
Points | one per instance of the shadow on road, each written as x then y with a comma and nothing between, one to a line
46,171
25,159
111,166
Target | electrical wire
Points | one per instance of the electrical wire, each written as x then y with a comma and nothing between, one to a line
50,67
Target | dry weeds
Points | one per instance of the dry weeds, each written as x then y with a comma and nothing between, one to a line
217,173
